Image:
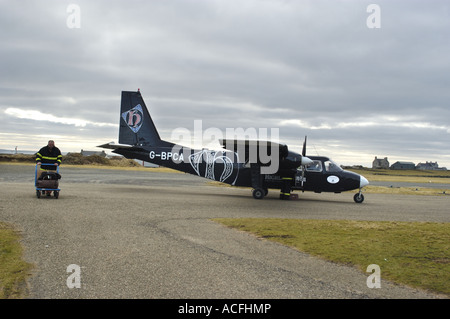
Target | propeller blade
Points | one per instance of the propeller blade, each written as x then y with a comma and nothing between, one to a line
305,161
304,147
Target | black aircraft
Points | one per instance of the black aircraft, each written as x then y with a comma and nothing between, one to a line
245,163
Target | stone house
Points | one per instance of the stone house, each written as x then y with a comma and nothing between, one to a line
379,163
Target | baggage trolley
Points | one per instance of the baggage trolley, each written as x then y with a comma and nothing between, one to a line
47,182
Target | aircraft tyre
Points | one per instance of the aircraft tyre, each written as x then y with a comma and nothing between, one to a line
358,198
258,193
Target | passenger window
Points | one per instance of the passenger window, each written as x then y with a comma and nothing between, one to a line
316,166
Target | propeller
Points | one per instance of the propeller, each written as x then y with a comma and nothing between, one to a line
305,160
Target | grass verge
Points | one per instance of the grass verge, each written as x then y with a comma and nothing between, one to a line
412,253
13,269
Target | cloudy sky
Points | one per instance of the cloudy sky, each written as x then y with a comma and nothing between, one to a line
359,81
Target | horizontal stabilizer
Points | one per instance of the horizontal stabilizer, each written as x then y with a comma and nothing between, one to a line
114,146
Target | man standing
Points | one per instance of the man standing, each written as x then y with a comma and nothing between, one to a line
49,154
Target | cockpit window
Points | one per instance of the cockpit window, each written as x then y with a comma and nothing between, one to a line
331,166
316,166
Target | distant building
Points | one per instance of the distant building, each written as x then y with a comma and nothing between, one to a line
379,163
403,165
430,166
89,153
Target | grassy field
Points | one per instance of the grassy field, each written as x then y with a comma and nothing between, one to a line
13,269
412,176
411,253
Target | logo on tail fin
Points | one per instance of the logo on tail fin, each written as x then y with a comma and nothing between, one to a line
134,118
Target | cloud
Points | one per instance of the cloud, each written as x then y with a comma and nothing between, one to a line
308,67
378,122
39,116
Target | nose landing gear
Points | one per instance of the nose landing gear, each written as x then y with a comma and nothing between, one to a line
359,197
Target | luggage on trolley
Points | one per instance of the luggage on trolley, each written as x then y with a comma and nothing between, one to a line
47,182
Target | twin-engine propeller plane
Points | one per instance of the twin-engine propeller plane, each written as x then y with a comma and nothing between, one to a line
240,163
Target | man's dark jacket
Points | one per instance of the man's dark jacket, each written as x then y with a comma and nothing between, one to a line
50,157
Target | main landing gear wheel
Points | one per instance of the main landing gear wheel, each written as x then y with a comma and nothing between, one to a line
358,198
258,193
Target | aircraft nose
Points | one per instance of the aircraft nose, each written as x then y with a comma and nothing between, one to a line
363,181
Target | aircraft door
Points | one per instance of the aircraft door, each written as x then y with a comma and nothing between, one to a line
311,176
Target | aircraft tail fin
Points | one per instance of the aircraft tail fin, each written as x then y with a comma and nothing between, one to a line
136,124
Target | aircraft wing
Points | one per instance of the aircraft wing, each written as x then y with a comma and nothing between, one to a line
243,147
